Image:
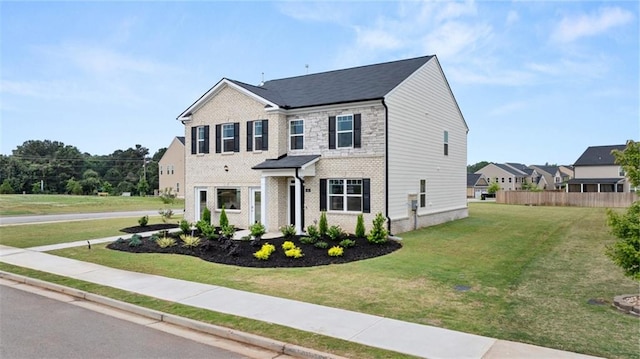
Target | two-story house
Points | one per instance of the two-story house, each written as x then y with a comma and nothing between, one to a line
386,138
171,168
507,176
596,171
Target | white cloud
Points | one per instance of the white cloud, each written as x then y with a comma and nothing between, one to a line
573,28
508,108
377,39
477,75
454,38
512,17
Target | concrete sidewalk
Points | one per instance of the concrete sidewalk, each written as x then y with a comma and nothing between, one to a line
403,337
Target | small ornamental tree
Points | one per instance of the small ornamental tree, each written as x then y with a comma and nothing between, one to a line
378,234
224,221
323,226
625,252
360,231
493,188
206,215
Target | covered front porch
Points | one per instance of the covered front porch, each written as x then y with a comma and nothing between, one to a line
595,185
282,188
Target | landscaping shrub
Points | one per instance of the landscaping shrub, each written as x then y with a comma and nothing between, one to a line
360,230
312,231
288,245
308,240
335,233
323,226
265,251
378,234
205,228
165,242
167,197
228,231
166,214
335,251
257,230
347,243
135,240
185,228
224,220
625,252
288,231
206,215
189,241
143,221
154,237
294,252
321,245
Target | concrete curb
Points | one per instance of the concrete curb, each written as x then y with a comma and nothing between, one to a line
211,329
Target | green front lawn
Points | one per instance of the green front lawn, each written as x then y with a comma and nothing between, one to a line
531,272
36,204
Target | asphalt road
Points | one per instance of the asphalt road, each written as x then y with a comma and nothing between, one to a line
75,217
33,326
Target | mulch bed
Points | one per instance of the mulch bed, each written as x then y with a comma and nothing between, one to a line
149,228
240,253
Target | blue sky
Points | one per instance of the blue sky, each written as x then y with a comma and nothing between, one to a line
536,81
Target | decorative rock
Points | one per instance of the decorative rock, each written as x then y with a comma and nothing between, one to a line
628,303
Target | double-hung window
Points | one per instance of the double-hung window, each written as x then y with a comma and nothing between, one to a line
228,136
423,193
201,139
258,135
296,134
345,195
344,131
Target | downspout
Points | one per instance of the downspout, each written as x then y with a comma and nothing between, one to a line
301,194
386,166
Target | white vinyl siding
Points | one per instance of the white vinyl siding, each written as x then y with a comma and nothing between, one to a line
421,108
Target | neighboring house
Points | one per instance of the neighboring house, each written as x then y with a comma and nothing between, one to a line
507,176
171,168
596,171
476,185
548,178
370,139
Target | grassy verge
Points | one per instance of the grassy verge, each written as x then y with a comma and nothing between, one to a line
530,272
32,204
281,333
25,236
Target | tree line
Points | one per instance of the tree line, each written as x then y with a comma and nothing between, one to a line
52,167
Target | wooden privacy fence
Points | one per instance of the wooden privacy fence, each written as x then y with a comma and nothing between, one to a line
549,198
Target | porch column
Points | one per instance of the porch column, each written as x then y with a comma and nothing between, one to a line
598,187
263,202
298,215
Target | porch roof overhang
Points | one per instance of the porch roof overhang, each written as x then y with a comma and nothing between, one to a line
595,180
303,165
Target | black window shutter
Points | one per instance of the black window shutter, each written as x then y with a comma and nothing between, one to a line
194,140
265,135
218,138
236,137
206,139
250,136
356,130
323,195
366,195
332,132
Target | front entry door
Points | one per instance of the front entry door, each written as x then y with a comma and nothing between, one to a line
255,214
292,204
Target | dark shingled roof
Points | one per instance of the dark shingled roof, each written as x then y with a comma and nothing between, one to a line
595,180
181,139
472,179
341,86
285,162
509,169
598,156
549,169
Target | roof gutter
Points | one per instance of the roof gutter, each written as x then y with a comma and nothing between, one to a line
386,165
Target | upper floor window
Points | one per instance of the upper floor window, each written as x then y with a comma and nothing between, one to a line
446,143
228,137
257,135
621,172
296,134
344,131
160,169
423,193
199,139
